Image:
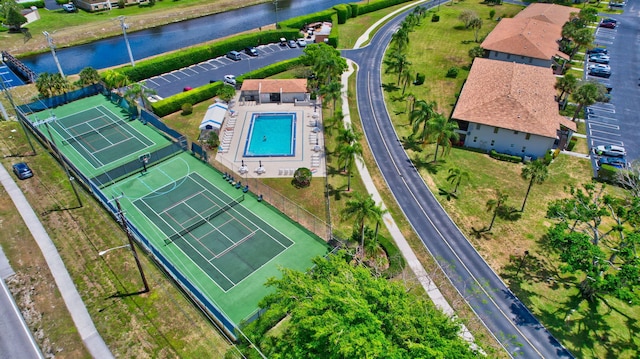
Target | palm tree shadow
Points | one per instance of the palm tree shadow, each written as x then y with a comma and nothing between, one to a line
509,213
447,194
410,143
390,87
421,163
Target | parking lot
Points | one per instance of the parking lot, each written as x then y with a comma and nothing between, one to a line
214,70
614,123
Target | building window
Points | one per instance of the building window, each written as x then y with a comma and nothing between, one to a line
528,136
515,132
493,142
512,145
531,60
475,139
477,126
496,129
508,56
524,149
521,57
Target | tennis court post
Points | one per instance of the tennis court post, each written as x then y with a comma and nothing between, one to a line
123,222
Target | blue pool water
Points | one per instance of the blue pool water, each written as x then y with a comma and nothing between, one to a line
271,135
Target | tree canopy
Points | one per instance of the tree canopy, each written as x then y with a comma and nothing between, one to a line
597,237
339,310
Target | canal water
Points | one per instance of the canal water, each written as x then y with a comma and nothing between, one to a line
113,52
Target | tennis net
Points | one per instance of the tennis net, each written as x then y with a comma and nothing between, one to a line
93,131
205,219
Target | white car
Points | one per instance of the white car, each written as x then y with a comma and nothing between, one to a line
230,79
611,151
154,98
302,42
600,66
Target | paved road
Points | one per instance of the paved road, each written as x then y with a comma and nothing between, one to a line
16,340
502,313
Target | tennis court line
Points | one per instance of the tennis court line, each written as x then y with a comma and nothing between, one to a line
187,256
176,182
234,245
179,203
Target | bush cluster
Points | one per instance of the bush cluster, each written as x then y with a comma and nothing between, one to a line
37,3
572,143
607,173
505,157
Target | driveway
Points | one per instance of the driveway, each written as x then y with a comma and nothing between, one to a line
511,323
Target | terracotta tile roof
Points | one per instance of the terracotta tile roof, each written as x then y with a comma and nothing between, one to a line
274,86
525,37
509,95
551,13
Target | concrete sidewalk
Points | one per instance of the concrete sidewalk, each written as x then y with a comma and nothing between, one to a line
421,274
81,318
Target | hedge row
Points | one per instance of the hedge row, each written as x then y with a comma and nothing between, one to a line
607,173
334,35
299,22
180,59
504,157
344,12
37,3
175,102
271,70
360,9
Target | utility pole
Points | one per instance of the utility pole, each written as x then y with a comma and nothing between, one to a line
275,2
57,151
126,40
125,227
53,52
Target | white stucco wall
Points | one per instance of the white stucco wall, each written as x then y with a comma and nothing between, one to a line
507,141
494,55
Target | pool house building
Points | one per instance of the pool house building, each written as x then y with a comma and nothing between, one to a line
274,91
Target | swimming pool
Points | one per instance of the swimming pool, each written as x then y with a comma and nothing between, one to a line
271,135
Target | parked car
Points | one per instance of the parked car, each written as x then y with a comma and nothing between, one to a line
234,55
22,170
619,4
230,79
617,162
597,50
609,20
283,41
69,7
302,42
600,71
599,66
608,25
599,58
291,43
154,98
610,151
251,51
187,88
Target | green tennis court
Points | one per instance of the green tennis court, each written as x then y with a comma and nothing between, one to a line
228,242
99,135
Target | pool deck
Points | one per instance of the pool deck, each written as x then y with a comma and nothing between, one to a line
309,146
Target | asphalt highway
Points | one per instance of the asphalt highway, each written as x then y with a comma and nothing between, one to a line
511,323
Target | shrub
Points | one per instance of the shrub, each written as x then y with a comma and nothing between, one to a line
607,173
344,12
492,13
37,3
419,79
302,177
377,5
452,72
435,18
299,22
505,157
187,109
334,35
572,143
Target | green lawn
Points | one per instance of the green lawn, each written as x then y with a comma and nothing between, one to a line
588,332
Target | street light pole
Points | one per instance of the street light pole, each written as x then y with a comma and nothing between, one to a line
126,40
53,52
125,227
275,2
57,151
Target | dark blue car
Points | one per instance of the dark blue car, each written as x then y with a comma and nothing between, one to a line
22,170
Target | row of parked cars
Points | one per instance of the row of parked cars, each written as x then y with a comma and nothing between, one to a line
599,57
612,155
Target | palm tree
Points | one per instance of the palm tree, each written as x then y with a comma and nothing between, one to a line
536,172
400,38
115,80
587,94
419,118
566,84
331,91
346,158
495,205
444,132
347,136
363,209
456,175
137,93
89,76
396,62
